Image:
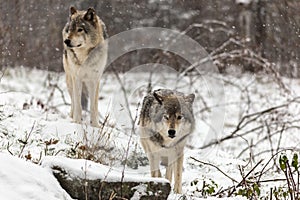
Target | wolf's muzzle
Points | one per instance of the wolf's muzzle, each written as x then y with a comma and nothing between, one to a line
68,42
171,133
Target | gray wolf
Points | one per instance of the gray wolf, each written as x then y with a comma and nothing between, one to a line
166,121
84,60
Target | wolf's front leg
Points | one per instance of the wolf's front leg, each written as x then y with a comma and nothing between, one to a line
77,109
178,165
70,90
154,160
93,89
169,171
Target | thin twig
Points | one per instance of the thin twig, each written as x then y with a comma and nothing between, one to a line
26,139
272,157
127,150
245,177
125,96
209,164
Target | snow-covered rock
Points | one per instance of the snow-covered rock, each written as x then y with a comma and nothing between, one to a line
82,178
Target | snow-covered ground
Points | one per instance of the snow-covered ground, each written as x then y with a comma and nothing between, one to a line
34,123
24,180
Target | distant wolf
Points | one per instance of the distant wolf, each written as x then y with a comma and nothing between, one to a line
84,60
166,121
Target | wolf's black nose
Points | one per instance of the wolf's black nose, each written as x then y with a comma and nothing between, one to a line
67,42
171,133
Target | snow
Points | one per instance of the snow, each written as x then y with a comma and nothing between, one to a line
20,179
80,168
35,128
176,196
140,190
246,2
24,180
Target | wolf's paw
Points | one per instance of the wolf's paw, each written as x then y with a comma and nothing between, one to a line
77,121
95,124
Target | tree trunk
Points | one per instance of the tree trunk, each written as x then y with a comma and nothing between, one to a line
261,26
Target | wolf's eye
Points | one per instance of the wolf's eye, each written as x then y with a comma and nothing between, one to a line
67,28
80,30
179,117
166,117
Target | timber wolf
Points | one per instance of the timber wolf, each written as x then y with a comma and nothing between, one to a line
84,60
166,120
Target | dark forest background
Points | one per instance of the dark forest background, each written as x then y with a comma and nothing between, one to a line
30,30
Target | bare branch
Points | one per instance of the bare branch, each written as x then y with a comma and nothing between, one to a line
209,164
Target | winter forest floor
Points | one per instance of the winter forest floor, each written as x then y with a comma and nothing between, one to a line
244,146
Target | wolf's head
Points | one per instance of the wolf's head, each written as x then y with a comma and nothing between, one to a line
174,113
84,29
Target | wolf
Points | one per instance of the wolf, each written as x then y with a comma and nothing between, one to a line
84,60
166,121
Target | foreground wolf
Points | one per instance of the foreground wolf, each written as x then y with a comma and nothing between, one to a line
84,60
166,121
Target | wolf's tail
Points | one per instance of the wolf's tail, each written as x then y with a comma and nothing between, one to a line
84,97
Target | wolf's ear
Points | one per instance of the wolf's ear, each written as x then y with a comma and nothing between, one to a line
90,14
72,10
158,96
189,98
